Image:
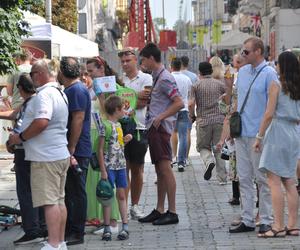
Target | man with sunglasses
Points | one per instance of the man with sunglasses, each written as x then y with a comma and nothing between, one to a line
45,143
260,75
136,150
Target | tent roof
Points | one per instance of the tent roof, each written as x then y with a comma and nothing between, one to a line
232,40
70,44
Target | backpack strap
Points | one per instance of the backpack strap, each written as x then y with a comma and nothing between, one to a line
108,133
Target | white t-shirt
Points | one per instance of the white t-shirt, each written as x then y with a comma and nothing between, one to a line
51,144
138,83
184,85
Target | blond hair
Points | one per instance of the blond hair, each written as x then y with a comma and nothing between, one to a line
218,67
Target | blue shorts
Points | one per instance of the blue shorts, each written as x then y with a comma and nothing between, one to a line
117,178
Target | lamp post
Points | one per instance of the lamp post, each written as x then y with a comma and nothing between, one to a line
48,7
163,10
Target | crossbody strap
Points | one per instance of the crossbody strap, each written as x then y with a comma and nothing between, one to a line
62,95
154,83
247,95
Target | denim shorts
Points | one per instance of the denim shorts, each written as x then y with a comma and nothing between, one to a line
117,178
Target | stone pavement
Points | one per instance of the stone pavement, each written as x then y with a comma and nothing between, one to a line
203,210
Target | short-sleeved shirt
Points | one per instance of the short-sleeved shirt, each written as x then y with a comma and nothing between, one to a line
163,93
184,85
191,75
114,158
51,144
206,94
17,100
80,100
138,83
258,96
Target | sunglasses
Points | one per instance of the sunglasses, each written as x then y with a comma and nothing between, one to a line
126,53
245,52
32,73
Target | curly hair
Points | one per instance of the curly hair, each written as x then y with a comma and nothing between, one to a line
70,67
289,74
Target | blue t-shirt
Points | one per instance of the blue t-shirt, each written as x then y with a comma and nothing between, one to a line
258,96
80,100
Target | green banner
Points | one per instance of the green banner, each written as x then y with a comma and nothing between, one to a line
216,31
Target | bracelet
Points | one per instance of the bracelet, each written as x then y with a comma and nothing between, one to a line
259,137
21,137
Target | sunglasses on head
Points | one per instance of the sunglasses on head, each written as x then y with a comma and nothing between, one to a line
100,60
125,53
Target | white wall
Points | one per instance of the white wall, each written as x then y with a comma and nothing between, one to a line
288,32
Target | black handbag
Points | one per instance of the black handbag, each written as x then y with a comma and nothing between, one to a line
94,162
235,120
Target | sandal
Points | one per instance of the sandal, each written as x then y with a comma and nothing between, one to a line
275,234
106,236
123,235
290,231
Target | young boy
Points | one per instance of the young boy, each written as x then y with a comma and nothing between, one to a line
113,164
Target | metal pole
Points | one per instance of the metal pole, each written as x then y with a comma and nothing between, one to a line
48,11
163,10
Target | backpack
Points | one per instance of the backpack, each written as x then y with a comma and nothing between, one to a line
108,133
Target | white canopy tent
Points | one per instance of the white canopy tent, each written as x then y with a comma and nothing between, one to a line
63,43
233,39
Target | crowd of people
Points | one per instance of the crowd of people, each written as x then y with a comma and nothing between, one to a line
79,153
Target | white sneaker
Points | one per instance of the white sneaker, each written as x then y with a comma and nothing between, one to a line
136,212
63,246
188,162
100,230
47,246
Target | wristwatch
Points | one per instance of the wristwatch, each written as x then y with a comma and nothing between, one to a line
21,137
259,137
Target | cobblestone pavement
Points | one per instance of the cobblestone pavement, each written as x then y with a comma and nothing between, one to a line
203,209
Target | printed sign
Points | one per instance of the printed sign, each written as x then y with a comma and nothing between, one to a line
106,84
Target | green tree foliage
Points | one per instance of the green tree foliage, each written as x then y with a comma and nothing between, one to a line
12,27
64,13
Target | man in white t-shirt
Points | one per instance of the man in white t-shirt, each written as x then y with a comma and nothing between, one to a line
136,149
45,143
182,123
194,78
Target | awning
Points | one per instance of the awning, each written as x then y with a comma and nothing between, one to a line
233,39
69,44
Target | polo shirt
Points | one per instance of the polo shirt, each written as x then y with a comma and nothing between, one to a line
163,93
51,144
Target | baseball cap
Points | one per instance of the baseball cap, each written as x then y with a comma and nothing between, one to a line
104,192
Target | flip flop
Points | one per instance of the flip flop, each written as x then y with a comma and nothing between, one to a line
289,231
276,234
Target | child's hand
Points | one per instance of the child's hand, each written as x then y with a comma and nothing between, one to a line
127,138
104,175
